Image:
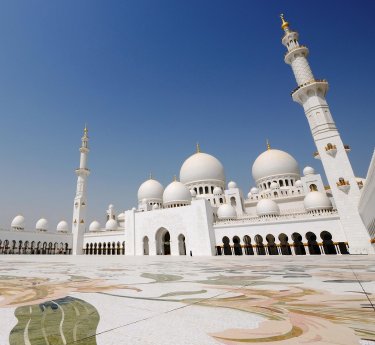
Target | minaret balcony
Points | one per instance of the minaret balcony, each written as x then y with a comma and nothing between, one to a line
331,149
347,148
298,50
360,184
301,93
316,155
83,171
343,185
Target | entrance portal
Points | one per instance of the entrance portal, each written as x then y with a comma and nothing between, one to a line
163,242
181,245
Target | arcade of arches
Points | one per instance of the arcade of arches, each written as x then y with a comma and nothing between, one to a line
33,247
105,248
284,245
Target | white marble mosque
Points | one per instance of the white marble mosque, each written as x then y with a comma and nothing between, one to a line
286,212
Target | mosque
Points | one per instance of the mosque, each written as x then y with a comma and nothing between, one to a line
284,213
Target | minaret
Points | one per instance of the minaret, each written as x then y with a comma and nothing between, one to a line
310,93
80,200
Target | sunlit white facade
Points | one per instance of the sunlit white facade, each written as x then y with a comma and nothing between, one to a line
286,212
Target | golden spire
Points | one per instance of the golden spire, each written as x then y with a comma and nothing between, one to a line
174,178
268,145
284,23
198,148
85,131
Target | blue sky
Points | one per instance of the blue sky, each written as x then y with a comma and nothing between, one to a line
151,78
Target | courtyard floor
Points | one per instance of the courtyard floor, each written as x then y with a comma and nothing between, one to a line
90,300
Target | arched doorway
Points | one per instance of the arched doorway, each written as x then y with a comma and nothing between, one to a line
248,247
237,246
299,247
328,245
146,249
226,246
163,242
272,248
259,245
284,244
312,244
181,245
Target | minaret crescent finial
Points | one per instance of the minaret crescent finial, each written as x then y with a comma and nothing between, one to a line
85,131
198,148
268,145
284,23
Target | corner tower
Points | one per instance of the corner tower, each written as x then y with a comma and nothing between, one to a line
311,94
80,200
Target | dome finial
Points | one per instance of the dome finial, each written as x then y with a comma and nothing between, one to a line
150,175
284,23
85,130
268,144
198,148
174,178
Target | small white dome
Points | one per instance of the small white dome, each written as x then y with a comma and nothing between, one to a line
249,195
218,191
315,201
134,209
274,185
226,211
150,190
274,162
111,225
18,222
254,190
41,225
155,207
232,185
121,216
267,207
308,171
193,193
202,167
62,226
299,184
94,226
176,193
110,207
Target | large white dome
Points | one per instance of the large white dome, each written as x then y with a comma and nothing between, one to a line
94,226
150,190
176,193
111,225
308,171
202,167
315,201
267,207
41,225
274,162
62,226
18,223
226,211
